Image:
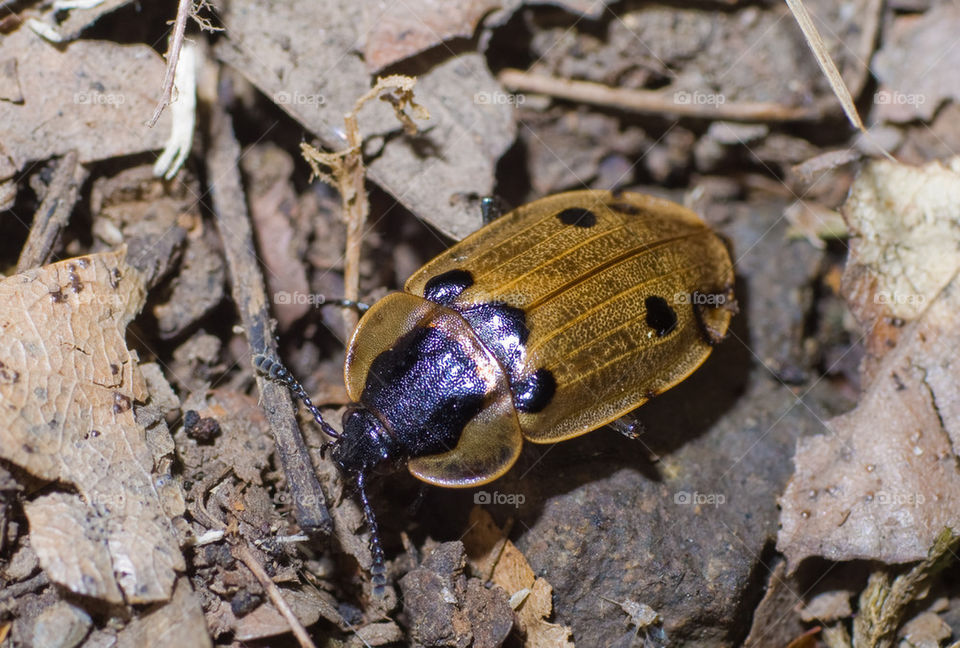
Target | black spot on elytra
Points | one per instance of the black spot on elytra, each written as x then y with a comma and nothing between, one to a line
446,287
578,216
660,317
626,208
534,393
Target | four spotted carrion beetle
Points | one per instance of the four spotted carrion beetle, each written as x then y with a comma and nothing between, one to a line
557,318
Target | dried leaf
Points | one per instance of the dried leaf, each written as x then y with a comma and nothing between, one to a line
58,520
876,486
403,29
90,96
179,623
67,386
266,621
917,65
276,47
511,571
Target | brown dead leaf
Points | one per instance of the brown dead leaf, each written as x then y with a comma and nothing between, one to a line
58,519
878,485
90,96
917,65
67,387
400,29
179,623
265,621
531,597
276,47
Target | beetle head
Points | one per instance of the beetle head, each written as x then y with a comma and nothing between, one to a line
364,444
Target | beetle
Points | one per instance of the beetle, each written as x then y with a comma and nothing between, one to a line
551,321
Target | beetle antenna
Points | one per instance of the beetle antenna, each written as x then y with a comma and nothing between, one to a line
378,572
272,368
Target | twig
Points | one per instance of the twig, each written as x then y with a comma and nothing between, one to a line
53,213
184,9
249,294
244,555
819,48
829,68
347,174
15,590
653,102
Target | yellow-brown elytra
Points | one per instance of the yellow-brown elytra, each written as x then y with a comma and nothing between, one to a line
554,320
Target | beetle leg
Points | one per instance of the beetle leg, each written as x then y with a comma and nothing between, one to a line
272,368
377,569
628,426
489,209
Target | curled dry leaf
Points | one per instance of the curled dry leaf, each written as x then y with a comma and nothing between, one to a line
90,96
878,486
67,387
532,598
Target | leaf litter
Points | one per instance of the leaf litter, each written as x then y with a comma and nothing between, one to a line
134,515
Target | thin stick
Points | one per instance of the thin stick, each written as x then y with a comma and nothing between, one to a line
184,8
53,213
348,173
649,101
244,555
829,68
249,295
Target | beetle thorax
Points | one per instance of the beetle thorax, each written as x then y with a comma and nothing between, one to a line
364,444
